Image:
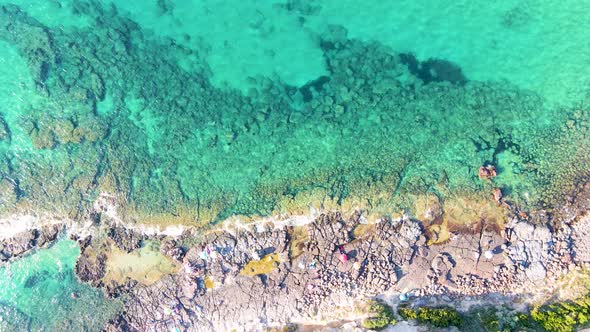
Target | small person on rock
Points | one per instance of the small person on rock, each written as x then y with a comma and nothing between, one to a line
497,195
487,172
204,254
343,257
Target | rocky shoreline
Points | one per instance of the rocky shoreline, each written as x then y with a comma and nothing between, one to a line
316,270
392,259
271,275
27,241
307,280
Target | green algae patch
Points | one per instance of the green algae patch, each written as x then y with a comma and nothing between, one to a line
363,229
440,317
298,238
566,316
380,316
458,214
438,234
572,284
265,265
145,265
561,316
428,208
462,212
178,215
494,319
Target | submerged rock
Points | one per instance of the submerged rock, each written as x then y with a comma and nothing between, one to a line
12,319
4,132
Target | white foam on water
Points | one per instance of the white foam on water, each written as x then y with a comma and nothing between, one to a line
15,224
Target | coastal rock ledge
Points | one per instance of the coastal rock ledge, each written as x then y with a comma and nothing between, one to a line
24,242
264,275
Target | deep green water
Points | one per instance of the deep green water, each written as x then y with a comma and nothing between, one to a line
235,107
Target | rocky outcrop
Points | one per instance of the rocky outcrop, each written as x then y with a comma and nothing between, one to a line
219,280
125,239
266,275
23,242
91,264
580,233
253,278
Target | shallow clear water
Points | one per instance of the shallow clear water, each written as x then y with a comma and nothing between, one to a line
36,294
192,111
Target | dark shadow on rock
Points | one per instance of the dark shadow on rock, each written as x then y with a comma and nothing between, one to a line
266,251
434,70
497,250
399,273
200,283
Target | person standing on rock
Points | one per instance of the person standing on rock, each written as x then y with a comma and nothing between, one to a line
343,256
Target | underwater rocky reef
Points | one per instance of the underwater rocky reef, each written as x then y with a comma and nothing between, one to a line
117,114
200,206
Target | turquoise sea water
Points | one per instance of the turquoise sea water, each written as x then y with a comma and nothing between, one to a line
36,294
193,111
